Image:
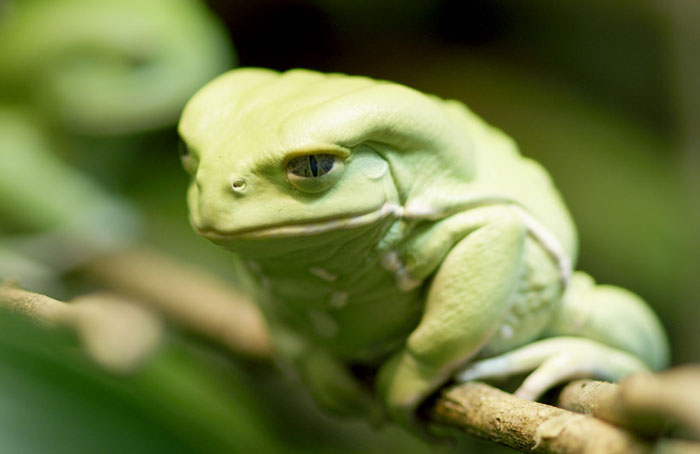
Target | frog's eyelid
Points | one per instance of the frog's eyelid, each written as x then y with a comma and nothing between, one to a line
332,149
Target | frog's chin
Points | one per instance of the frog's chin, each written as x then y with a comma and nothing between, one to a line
299,229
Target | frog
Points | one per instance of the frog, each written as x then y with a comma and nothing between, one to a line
397,242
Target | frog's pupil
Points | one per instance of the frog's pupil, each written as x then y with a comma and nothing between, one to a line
314,165
311,166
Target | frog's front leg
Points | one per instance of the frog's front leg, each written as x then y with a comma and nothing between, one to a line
466,303
599,331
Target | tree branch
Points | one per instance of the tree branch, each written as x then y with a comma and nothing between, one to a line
489,413
645,403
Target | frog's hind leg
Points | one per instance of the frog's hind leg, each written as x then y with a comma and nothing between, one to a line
553,361
613,316
599,331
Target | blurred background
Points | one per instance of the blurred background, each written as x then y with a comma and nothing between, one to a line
606,95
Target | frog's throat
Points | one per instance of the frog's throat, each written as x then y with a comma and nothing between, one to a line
305,229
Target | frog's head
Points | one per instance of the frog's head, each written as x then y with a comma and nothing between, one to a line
301,153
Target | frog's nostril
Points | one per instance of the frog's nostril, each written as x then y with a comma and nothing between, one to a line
238,185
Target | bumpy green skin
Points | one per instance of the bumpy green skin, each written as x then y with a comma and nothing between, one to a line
431,243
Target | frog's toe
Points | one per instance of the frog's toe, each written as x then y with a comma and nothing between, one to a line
555,370
554,361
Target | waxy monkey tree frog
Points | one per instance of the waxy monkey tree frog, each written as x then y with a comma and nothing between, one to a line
397,241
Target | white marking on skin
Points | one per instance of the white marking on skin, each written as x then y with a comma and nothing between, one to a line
390,261
549,242
411,211
312,228
540,233
405,282
392,208
323,273
323,324
415,210
338,299
506,331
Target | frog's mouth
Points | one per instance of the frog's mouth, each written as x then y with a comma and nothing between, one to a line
300,229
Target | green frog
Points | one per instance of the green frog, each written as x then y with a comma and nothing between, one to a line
398,242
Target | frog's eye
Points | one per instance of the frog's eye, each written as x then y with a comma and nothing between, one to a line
188,161
314,172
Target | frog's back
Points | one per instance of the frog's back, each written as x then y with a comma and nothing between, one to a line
502,172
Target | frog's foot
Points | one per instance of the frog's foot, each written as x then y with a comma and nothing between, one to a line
554,361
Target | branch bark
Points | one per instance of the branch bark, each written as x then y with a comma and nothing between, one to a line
489,413
646,403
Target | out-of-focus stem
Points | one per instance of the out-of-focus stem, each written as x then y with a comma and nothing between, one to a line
643,402
115,332
191,297
34,305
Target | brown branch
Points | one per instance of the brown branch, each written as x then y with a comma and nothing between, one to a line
494,415
643,402
34,305
605,401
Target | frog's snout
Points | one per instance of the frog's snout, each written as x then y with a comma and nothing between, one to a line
212,202
236,184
